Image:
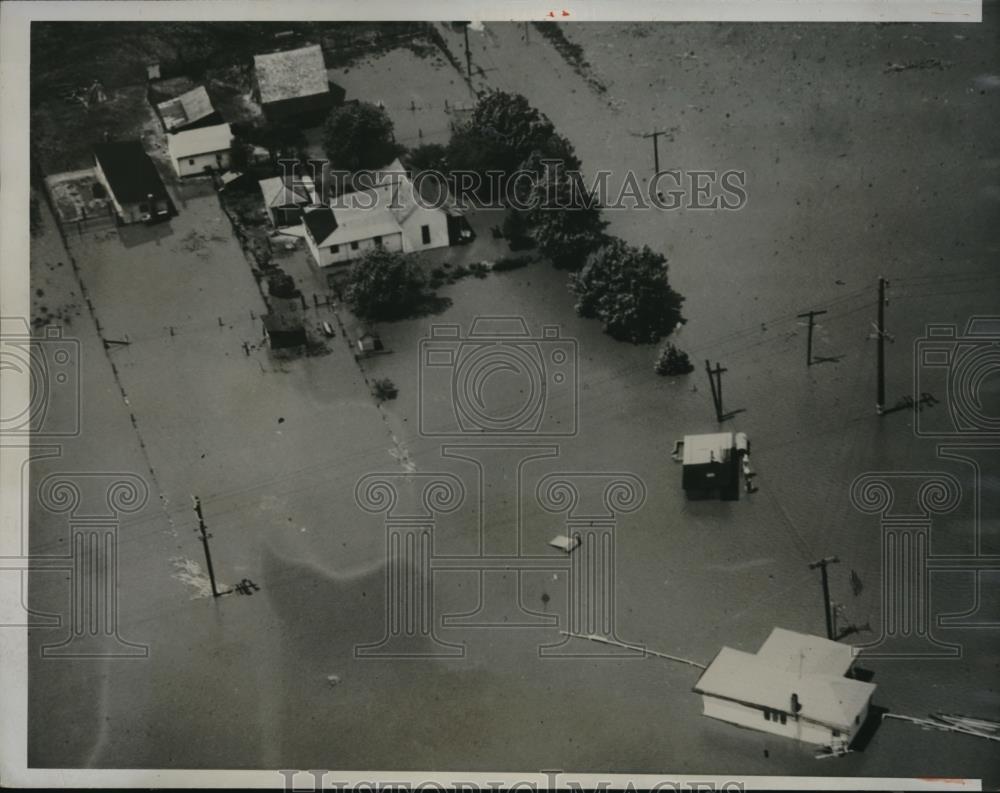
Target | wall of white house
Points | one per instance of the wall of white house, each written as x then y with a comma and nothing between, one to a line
436,222
754,718
192,166
346,252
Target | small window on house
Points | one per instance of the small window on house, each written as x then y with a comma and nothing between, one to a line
836,733
767,715
377,241
191,161
783,717
334,249
425,234
857,719
354,246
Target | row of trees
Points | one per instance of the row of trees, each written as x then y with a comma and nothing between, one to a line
626,288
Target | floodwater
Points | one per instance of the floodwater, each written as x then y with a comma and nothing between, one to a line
852,172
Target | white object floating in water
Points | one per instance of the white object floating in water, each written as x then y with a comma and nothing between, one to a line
564,543
333,680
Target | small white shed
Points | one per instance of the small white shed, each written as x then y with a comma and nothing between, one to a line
196,150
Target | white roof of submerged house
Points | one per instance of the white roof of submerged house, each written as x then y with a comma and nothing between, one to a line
279,191
206,140
713,447
343,224
810,667
291,74
393,189
796,652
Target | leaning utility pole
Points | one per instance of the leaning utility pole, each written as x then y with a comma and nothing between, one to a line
656,149
204,541
468,57
715,381
822,565
809,344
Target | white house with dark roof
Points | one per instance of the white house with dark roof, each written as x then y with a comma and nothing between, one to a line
389,214
292,82
336,235
795,685
195,150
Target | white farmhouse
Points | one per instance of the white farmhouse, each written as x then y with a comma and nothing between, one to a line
338,235
196,150
423,224
795,686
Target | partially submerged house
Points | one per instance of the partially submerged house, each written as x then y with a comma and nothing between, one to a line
284,332
284,325
338,235
190,110
711,465
389,213
285,198
134,186
196,151
292,83
423,223
795,685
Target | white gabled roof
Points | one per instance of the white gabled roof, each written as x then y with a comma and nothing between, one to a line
343,225
790,663
795,652
193,142
279,191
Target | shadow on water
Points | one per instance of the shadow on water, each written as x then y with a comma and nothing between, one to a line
382,704
868,729
136,234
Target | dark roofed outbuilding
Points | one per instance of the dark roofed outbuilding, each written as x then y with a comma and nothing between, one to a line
293,83
132,181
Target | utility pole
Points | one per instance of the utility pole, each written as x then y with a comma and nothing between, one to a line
809,344
822,565
468,57
880,336
656,149
715,381
204,541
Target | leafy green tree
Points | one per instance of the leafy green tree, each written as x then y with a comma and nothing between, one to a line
359,136
384,285
627,289
503,131
282,140
672,361
428,157
562,217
